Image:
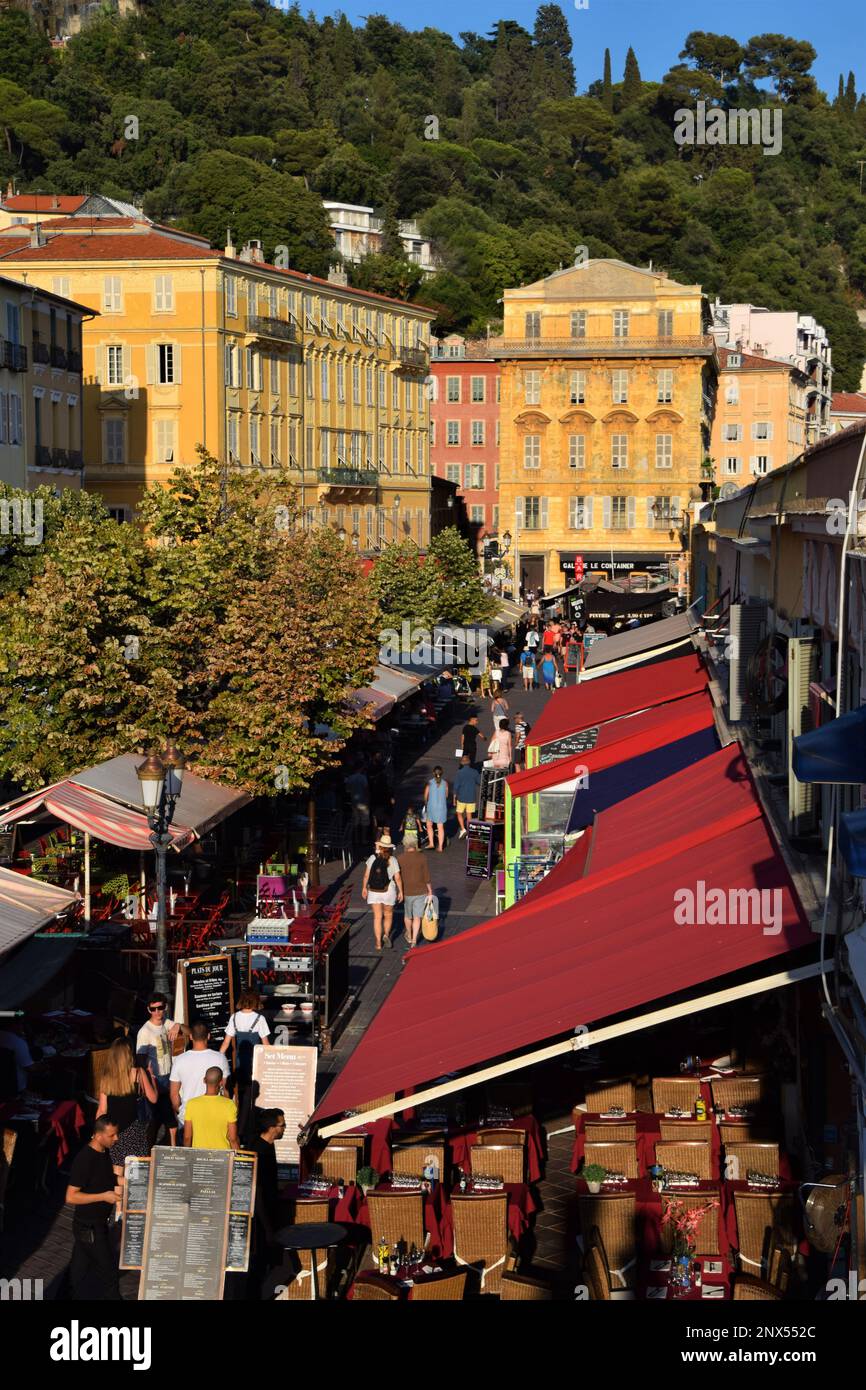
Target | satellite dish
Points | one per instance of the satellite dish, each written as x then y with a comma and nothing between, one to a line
825,1213
728,490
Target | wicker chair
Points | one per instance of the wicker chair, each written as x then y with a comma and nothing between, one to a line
7,1153
481,1236
765,1220
608,1093
707,1235
397,1218
747,1290
685,1131
502,1136
744,1132
750,1091
613,1215
741,1158
337,1161
596,1274
780,1267
521,1288
412,1159
449,1290
614,1157
693,1156
504,1161
368,1292
675,1093
609,1131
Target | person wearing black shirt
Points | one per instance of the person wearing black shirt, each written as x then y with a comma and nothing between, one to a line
470,739
271,1126
94,1197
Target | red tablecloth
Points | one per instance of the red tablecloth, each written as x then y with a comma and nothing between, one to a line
655,1278
433,1215
461,1144
378,1132
65,1121
648,1211
521,1205
343,1208
647,1133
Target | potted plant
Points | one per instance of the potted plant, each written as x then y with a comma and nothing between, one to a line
593,1175
367,1178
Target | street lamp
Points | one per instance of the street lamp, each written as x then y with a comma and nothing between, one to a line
356,540
161,780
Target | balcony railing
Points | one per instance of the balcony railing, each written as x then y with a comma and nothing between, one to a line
14,356
57,458
349,477
41,352
279,329
58,356
73,361
414,357
74,459
42,456
702,344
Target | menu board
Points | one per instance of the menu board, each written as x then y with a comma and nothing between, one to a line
208,987
286,1080
479,849
186,1233
572,656
582,742
242,1199
136,1182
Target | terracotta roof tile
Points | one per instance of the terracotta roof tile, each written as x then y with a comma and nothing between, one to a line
848,403
43,202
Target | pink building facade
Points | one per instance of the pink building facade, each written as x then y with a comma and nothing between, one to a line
464,428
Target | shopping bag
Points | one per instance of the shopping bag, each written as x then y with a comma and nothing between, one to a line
430,920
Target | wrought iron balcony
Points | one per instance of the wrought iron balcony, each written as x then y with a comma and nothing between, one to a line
74,459
413,358
73,361
42,456
14,356
279,329
349,477
695,345
58,356
41,352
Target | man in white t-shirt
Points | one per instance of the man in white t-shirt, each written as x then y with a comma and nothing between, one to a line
154,1041
187,1072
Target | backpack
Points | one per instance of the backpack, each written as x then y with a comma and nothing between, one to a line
379,879
245,1041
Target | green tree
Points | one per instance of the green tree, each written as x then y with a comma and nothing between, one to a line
607,84
30,126
785,61
554,70
718,54
632,85
26,56
460,595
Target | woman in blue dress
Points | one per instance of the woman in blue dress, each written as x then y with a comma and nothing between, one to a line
436,807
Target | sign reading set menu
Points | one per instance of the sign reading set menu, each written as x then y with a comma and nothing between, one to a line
285,1079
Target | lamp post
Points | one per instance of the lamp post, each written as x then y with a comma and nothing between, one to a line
161,779
515,564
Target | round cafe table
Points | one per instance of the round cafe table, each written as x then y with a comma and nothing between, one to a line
316,1236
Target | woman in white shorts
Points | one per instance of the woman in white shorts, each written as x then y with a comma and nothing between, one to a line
382,888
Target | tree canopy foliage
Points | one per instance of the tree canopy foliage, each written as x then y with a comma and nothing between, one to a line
248,115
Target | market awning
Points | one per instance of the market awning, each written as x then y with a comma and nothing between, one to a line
202,804
367,698
26,905
396,684
655,641
834,753
607,946
577,707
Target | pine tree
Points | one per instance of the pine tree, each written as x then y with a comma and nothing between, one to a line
555,71
607,84
631,82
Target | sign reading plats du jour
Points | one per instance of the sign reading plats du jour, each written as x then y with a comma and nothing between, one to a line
285,1079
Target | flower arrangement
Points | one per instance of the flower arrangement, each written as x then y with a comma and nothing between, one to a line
686,1222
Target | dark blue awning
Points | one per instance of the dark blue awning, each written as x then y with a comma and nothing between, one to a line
852,842
834,753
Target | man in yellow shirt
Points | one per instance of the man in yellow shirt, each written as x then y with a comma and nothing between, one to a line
211,1120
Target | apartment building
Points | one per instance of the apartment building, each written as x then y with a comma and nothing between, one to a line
786,336
609,377
761,416
41,412
464,428
267,368
847,408
357,233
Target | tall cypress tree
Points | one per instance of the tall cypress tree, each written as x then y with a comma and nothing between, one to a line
555,70
840,93
631,82
607,84
851,94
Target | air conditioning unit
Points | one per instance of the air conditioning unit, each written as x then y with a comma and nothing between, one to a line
748,626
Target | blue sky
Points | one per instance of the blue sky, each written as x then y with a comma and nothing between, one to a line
655,28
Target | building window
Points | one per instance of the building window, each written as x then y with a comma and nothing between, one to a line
112,295
255,443
578,323
476,515
381,450
356,383
477,432
477,389
732,432
166,364
664,451
532,325
395,393
293,377
114,364
275,376
619,382
761,464
232,438
665,382
326,380
620,323
498,390
370,386
732,464
407,395
762,429
382,388
452,432
164,434
577,451
420,452
115,439
661,512
532,387
276,449
619,513
495,521
475,476
60,285
577,388
452,473
395,452
163,294
497,434
666,323
254,369
580,513
452,389
534,513
231,296
619,450
732,393
532,451
341,382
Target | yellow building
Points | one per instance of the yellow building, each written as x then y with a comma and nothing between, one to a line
760,420
41,410
268,368
607,398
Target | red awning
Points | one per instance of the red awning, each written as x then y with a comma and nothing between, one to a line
606,944
620,740
106,820
577,707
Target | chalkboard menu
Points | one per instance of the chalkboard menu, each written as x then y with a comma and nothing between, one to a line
186,1233
208,986
136,1181
286,1080
480,844
242,1198
572,656
582,742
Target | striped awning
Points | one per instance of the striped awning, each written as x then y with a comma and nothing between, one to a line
26,904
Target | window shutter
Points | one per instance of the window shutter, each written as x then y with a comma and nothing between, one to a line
2,417
630,511
127,362
176,361
650,519
150,353
544,513
587,513
606,511
518,511
675,506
